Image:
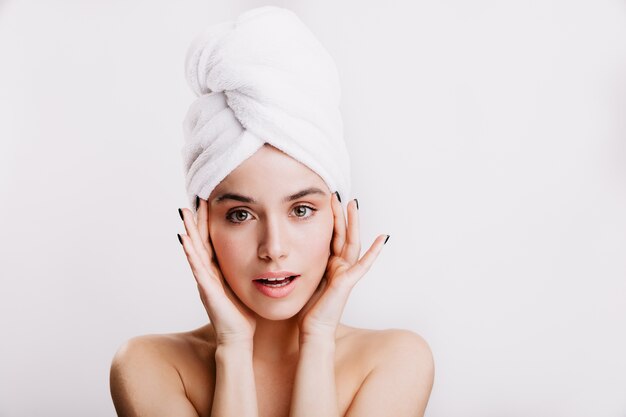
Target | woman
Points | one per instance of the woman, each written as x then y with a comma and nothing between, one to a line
272,253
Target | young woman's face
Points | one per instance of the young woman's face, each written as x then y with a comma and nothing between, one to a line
271,214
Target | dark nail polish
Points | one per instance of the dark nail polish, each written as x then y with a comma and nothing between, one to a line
180,239
181,214
338,197
357,203
386,239
197,202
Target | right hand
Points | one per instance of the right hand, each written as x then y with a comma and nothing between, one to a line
232,321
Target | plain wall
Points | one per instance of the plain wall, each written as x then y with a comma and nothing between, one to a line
487,138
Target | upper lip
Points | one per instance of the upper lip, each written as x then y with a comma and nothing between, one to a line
277,274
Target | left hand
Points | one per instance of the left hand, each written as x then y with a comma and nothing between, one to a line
321,314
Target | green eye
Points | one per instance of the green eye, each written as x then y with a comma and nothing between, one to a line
238,216
301,211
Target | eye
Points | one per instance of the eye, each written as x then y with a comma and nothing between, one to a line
301,211
238,216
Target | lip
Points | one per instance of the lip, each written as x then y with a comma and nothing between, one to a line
277,274
277,292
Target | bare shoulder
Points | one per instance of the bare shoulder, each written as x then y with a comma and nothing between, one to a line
389,344
410,346
400,371
145,378
167,349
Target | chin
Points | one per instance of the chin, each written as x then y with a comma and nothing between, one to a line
278,312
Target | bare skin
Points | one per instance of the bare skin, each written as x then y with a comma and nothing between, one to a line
264,356
186,363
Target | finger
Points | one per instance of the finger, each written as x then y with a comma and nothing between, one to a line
319,290
232,296
203,227
194,235
367,260
209,241
199,270
203,224
352,247
339,227
315,297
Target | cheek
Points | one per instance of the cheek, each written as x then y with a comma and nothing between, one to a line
315,243
229,247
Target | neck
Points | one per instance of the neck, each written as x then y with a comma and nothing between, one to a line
276,340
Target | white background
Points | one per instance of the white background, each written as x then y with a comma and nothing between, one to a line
487,138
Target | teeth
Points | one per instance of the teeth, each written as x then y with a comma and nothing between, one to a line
280,284
276,279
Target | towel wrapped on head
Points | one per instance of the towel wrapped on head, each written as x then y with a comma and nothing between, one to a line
262,78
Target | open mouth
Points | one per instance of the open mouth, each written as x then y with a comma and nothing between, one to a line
277,287
277,282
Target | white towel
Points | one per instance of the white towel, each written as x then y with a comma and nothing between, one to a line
262,78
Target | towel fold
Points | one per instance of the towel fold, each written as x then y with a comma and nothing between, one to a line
262,78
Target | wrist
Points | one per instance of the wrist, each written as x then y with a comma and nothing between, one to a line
318,333
319,340
237,347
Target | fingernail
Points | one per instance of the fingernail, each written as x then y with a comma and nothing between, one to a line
386,239
179,238
357,203
181,214
338,197
197,202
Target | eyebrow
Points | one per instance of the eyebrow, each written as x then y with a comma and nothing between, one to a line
244,199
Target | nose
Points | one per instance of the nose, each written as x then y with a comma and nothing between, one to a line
273,243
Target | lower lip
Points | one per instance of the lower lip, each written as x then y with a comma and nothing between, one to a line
277,292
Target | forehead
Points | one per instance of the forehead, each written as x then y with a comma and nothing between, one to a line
270,173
